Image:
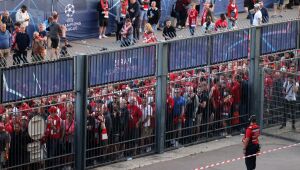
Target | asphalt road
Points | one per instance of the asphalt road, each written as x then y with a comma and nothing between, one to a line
285,159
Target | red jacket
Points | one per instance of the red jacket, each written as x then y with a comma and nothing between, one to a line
135,114
53,129
193,17
236,92
221,24
232,11
149,37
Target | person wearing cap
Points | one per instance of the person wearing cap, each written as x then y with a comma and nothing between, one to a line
290,89
257,20
4,145
251,143
53,133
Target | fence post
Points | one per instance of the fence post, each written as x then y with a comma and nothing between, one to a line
1,85
255,76
298,35
161,95
81,70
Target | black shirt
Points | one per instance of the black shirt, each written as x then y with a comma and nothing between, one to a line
169,33
134,10
153,16
23,41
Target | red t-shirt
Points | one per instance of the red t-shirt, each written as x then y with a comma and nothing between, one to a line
227,103
203,17
193,17
9,128
268,86
253,133
2,109
232,11
221,24
236,92
170,104
53,127
135,114
216,96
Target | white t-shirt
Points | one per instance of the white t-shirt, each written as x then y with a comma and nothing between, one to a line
147,111
21,17
290,94
257,18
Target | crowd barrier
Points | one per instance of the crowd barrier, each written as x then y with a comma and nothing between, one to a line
124,114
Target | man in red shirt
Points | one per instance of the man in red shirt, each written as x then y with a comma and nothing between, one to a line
193,14
53,133
221,24
232,13
251,143
135,119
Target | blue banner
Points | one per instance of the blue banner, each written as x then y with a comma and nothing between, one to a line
188,53
279,37
122,65
229,46
81,17
37,80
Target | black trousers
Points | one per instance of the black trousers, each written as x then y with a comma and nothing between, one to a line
136,28
20,56
251,161
289,109
181,18
119,28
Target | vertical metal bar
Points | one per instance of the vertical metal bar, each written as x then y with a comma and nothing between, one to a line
161,88
1,85
254,78
298,35
81,74
261,99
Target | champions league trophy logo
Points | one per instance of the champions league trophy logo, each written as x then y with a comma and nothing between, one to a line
70,24
69,10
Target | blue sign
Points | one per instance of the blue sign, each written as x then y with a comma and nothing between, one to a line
279,37
37,80
188,53
229,46
122,65
81,18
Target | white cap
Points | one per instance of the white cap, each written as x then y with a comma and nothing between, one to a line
256,6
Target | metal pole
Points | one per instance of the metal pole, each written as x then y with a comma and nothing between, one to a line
1,83
161,95
81,85
255,76
298,35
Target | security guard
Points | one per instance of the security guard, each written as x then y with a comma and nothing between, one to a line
251,143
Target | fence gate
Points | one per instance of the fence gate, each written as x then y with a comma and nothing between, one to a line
281,111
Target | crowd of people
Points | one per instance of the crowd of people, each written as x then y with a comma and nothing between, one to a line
133,16
15,41
281,88
121,117
203,102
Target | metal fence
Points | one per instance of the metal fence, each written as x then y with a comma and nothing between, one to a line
120,122
39,133
281,95
206,103
221,69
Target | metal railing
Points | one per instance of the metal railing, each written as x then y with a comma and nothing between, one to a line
100,77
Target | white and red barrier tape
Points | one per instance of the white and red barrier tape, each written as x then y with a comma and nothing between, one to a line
240,158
